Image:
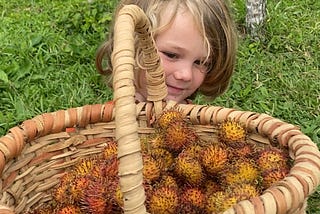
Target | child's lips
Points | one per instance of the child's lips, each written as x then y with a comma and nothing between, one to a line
174,90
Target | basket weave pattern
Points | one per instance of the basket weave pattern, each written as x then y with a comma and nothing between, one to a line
35,154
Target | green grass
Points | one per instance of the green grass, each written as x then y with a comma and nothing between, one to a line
47,51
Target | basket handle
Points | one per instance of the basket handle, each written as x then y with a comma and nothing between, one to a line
130,20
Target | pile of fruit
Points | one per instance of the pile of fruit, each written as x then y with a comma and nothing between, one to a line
182,172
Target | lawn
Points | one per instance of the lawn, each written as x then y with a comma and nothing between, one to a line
47,51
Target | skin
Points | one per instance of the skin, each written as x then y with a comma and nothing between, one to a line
182,51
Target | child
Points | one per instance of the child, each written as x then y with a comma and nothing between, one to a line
196,41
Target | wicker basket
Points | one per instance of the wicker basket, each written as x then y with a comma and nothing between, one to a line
35,154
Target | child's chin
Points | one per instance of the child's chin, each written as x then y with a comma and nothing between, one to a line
176,99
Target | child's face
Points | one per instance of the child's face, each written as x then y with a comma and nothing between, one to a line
182,51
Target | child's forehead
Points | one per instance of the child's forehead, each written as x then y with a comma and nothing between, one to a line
169,14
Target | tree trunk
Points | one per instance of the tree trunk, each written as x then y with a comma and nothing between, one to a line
255,17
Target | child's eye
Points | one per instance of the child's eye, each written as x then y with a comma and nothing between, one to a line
198,62
203,66
169,55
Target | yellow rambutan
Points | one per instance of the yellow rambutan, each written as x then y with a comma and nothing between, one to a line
118,196
244,191
214,158
232,133
168,116
178,136
271,176
151,169
110,149
219,202
163,200
168,181
189,169
84,166
163,157
241,171
272,157
152,141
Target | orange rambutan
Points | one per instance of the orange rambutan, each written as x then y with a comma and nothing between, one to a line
245,150
214,158
69,209
78,186
192,200
193,150
61,193
271,176
272,157
178,136
98,196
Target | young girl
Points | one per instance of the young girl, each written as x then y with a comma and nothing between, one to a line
196,41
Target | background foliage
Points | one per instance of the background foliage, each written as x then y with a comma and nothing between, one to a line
47,51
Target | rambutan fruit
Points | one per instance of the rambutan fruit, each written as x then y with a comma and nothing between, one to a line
61,193
78,186
241,171
272,157
168,181
164,200
245,150
151,169
178,136
110,149
98,196
244,191
168,116
118,196
214,158
69,209
189,169
232,133
219,202
84,166
193,150
192,200
108,167
212,186
271,176
152,141
163,157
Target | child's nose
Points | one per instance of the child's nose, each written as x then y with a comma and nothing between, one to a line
184,72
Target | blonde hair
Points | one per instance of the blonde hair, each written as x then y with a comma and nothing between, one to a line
215,22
